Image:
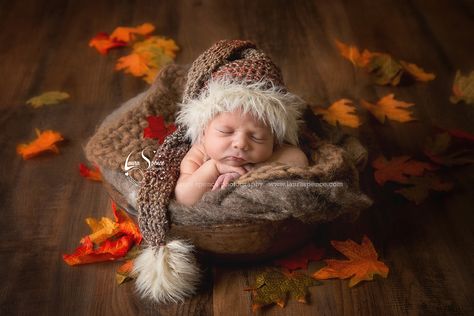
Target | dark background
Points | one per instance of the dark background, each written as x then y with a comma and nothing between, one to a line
44,202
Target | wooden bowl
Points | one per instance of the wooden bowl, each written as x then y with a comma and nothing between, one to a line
237,242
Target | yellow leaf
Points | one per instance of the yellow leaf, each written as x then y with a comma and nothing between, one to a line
45,141
463,88
389,107
417,72
47,98
352,53
342,112
102,229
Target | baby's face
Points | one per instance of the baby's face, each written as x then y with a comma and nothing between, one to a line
237,139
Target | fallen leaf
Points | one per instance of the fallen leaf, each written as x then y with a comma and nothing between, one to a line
463,88
273,287
157,129
109,250
45,141
91,174
126,34
103,43
443,150
126,224
301,258
389,107
382,67
48,98
101,229
421,186
134,64
398,169
341,111
361,266
418,73
124,272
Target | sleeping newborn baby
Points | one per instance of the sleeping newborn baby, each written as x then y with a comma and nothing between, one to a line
238,117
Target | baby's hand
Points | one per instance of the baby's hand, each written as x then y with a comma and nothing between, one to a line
223,168
224,179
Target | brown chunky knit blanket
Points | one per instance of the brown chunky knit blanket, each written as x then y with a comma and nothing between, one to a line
325,190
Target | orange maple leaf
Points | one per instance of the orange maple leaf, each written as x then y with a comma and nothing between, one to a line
126,34
45,141
341,111
398,168
126,225
135,64
103,43
91,174
388,107
353,54
101,229
417,72
361,266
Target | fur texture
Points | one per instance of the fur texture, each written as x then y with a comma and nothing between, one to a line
279,109
167,274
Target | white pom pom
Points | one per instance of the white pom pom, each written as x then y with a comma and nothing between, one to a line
168,273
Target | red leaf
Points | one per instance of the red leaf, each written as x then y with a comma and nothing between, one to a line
87,173
301,258
103,43
126,224
157,129
109,250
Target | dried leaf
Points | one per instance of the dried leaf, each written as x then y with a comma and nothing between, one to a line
157,129
416,72
383,68
101,229
126,34
463,88
442,150
91,174
126,224
301,258
341,111
109,250
124,272
421,186
388,107
45,141
103,43
273,287
361,266
398,168
134,64
48,98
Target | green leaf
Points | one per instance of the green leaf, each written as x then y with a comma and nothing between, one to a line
48,98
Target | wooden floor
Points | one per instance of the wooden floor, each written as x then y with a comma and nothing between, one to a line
43,202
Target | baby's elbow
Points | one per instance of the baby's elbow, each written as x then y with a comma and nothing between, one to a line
300,159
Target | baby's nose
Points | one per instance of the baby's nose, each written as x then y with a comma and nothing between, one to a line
240,142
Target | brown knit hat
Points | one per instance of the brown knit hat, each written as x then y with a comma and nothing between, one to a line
231,72
235,74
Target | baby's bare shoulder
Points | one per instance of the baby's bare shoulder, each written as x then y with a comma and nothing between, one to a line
291,155
193,159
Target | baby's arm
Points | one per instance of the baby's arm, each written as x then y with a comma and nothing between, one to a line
196,179
289,155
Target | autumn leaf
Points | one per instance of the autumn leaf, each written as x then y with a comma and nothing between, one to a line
361,266
91,174
416,72
157,129
398,168
463,88
341,111
274,286
450,148
101,229
382,67
134,64
45,141
103,43
48,98
109,250
300,259
421,187
126,224
126,34
389,107
124,272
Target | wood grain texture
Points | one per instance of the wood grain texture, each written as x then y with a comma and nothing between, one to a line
43,202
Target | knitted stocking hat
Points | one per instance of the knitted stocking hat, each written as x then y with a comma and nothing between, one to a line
230,74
